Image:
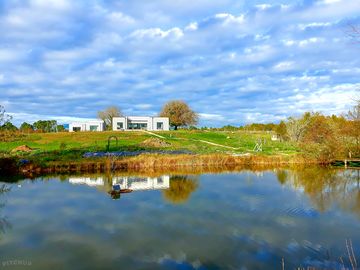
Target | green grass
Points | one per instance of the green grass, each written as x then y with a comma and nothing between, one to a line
243,141
70,146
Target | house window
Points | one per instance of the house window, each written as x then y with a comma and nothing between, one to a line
76,129
137,126
120,126
160,181
93,128
159,125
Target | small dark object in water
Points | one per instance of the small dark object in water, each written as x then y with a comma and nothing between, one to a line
116,194
117,189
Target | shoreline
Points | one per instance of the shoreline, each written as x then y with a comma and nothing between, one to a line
152,163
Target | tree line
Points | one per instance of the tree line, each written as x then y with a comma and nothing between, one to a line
39,126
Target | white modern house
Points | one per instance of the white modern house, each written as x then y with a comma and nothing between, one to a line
94,125
141,123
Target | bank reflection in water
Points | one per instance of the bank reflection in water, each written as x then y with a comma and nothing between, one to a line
326,187
4,223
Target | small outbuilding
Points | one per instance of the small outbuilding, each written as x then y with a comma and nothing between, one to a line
275,137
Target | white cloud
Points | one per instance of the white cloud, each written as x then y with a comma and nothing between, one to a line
118,18
31,118
329,2
154,33
263,6
312,40
283,66
314,25
230,19
210,116
192,26
51,4
304,42
143,106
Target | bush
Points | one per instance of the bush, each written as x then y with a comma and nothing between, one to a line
62,146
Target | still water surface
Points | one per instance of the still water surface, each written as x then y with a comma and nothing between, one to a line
237,220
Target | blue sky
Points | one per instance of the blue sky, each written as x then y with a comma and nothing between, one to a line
234,62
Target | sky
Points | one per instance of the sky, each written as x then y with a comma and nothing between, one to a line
233,61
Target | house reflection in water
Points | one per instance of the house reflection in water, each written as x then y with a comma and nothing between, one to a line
133,183
148,183
90,181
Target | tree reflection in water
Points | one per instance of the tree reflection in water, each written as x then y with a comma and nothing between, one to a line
326,187
180,189
4,224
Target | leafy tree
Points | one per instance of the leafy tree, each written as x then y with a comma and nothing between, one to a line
108,114
8,126
179,113
320,138
26,127
45,125
281,130
229,128
193,128
60,128
318,130
260,127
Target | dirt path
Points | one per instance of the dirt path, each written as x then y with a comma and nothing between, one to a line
154,134
216,144
203,141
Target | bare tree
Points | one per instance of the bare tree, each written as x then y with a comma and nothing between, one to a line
179,113
297,127
354,128
4,117
354,114
108,114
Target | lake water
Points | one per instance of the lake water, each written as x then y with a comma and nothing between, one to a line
237,220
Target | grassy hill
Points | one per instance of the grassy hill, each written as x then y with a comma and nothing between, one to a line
202,142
